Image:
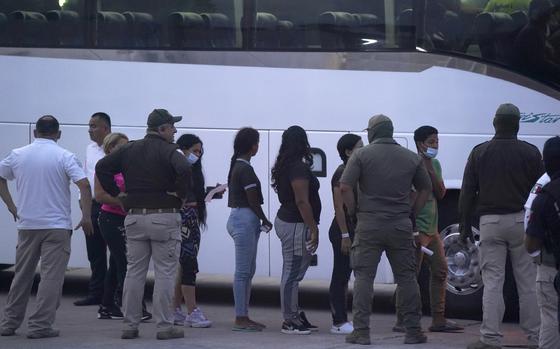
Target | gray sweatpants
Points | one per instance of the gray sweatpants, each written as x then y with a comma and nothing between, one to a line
156,236
296,259
52,247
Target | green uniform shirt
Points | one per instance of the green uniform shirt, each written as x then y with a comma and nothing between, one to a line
427,218
384,173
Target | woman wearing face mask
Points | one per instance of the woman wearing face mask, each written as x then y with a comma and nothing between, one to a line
245,223
193,216
341,235
296,222
427,144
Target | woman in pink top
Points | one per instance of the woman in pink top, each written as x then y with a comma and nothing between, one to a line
111,224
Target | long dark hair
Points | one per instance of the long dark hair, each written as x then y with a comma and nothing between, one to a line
185,142
244,141
294,147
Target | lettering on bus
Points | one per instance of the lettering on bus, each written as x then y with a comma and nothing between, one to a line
540,118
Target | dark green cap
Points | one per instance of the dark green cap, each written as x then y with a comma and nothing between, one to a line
160,117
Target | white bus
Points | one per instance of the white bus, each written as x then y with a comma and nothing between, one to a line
224,64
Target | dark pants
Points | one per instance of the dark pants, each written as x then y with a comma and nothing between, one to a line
338,290
395,239
112,229
97,255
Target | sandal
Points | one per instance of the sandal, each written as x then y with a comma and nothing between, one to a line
448,326
257,324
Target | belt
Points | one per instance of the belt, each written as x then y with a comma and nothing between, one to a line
152,210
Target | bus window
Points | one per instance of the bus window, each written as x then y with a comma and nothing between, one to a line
25,23
520,35
187,24
333,25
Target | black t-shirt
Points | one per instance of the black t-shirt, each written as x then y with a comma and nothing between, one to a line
289,211
243,178
335,183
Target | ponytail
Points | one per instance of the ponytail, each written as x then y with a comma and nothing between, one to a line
244,141
233,159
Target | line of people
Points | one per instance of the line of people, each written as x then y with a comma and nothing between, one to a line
150,195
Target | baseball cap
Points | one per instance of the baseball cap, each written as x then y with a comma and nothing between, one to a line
376,120
160,117
508,109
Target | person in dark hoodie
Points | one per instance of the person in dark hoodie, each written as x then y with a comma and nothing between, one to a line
543,242
498,177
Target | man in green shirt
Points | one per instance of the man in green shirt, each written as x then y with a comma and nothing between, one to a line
427,144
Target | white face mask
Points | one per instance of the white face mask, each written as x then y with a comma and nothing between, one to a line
431,153
192,159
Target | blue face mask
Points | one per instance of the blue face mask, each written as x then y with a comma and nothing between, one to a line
431,153
192,159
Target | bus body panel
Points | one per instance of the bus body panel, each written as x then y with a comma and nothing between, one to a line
217,100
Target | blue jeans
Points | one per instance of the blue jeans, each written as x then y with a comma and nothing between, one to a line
244,227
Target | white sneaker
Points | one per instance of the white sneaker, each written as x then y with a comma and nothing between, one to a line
345,328
179,317
197,319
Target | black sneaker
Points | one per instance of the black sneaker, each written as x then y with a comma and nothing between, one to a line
109,313
306,323
292,327
146,315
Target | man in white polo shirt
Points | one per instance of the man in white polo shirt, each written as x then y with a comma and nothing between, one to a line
42,171
99,128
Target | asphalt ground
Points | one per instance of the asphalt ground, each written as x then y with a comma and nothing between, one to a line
80,327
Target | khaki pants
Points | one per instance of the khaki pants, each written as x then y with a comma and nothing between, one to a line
155,236
438,275
500,235
548,305
52,247
397,242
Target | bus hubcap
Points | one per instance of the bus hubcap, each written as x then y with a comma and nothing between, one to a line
462,262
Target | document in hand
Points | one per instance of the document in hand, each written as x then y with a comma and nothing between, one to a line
214,191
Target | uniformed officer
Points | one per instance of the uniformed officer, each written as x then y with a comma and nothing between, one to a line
543,241
385,173
498,178
156,176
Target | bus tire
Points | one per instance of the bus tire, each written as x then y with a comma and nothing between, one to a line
464,288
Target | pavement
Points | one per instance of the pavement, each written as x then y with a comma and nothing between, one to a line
80,327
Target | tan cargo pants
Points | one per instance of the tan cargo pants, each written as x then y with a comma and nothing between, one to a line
154,236
52,247
548,305
501,235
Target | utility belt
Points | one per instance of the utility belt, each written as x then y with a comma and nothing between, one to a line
145,211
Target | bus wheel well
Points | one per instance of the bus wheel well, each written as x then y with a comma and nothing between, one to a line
464,304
